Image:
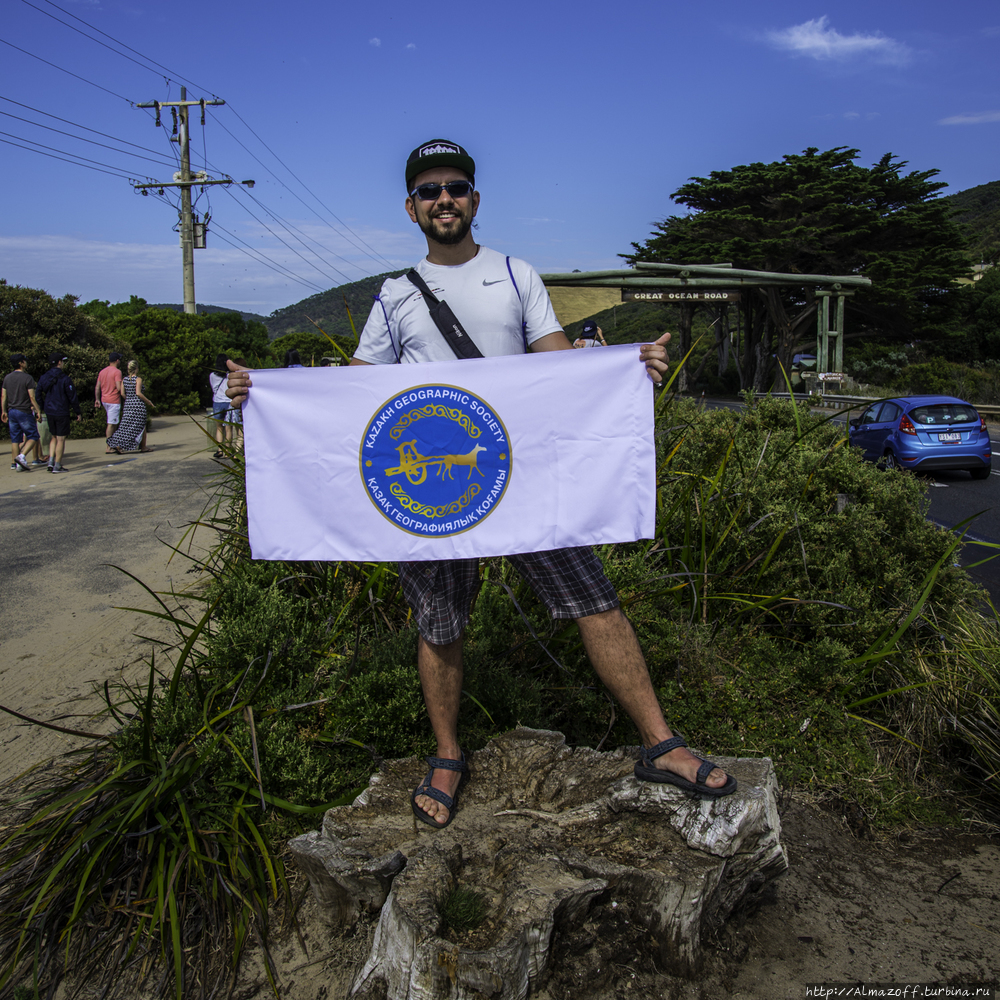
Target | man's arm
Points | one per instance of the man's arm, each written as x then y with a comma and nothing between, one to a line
653,356
34,404
97,392
557,341
3,405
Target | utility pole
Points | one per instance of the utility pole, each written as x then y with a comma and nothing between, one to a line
185,180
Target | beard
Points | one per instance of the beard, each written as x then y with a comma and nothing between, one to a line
433,230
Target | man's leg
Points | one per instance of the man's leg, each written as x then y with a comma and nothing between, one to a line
56,450
618,661
441,679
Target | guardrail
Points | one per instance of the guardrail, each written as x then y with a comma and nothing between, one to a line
844,402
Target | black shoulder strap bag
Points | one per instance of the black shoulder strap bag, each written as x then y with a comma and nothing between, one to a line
446,321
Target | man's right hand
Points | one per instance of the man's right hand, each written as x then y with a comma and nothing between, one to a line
238,384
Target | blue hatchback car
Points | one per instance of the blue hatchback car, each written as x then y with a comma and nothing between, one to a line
924,434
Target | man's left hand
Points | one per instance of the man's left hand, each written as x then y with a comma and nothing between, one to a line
655,358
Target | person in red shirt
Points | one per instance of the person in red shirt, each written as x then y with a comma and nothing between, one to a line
107,393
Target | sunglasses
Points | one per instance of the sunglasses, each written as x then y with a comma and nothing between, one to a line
431,192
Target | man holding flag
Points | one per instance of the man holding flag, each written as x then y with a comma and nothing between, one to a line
500,308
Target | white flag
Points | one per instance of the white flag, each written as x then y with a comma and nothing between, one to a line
450,460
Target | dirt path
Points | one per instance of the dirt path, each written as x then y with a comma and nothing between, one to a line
61,631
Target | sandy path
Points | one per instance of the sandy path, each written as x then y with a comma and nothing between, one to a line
61,635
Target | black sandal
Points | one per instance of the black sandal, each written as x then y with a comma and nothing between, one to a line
450,802
645,771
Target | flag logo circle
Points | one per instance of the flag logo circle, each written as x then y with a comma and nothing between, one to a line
435,460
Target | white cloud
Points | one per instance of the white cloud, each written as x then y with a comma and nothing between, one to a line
411,46
818,40
976,118
375,41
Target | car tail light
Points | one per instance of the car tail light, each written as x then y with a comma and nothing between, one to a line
982,426
906,425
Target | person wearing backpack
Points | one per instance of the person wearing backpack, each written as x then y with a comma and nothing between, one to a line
467,301
58,398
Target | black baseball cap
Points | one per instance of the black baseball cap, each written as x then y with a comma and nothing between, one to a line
56,356
114,356
439,153
16,359
589,329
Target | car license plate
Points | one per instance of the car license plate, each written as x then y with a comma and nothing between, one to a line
949,437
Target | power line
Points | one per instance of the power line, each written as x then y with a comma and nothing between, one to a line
288,245
377,256
365,247
301,237
174,75
66,121
64,70
261,258
114,171
80,138
289,226
297,196
85,35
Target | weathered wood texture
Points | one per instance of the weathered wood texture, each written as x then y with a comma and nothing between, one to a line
544,833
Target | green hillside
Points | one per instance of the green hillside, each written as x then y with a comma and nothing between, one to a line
327,309
978,215
210,310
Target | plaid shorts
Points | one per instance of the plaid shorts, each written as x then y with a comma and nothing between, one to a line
571,583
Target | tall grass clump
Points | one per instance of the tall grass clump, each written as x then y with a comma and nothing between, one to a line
795,603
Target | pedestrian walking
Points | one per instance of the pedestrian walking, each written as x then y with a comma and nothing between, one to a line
19,410
108,394
58,397
220,404
131,432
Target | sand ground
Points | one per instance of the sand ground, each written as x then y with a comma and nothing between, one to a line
921,908
62,628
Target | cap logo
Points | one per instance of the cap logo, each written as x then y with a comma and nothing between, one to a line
438,147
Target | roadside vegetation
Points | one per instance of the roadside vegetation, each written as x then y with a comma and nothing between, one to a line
795,603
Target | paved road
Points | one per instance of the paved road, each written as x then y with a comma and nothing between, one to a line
61,630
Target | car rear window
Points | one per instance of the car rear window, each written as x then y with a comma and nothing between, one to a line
944,413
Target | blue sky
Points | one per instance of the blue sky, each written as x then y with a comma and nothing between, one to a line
582,118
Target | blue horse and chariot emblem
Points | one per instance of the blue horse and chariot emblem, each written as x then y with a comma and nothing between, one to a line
435,460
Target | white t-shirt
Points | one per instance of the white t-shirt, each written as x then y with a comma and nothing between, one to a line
218,385
482,297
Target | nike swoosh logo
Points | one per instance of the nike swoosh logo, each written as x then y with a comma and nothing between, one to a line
496,281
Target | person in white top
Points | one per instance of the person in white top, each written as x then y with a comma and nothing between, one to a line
220,404
590,335
503,307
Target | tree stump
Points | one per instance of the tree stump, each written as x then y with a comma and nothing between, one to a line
543,833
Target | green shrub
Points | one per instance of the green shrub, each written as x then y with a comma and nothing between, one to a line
794,603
